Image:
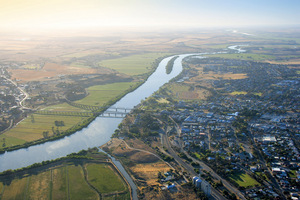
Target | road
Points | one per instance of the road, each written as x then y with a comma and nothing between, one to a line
22,91
203,165
214,193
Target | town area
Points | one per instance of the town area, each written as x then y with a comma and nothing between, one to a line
241,140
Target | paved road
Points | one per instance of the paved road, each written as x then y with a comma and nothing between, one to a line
215,194
22,91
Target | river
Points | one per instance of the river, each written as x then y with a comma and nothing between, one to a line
98,132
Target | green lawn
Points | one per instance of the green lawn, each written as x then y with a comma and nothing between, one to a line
244,180
79,189
104,178
101,94
133,65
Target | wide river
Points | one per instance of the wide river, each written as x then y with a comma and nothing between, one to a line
98,132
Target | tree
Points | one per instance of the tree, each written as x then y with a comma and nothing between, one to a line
45,134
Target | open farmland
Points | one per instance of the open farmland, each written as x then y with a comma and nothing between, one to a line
52,70
39,186
244,56
65,181
17,189
100,94
104,178
78,187
32,128
133,65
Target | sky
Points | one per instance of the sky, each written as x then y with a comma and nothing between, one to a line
62,14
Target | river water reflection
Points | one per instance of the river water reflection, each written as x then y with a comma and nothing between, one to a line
98,132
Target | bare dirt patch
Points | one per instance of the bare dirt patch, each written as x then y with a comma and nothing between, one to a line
148,172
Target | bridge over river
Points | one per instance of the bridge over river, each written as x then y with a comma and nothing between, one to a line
113,112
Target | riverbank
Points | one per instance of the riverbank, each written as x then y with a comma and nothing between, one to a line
81,171
83,124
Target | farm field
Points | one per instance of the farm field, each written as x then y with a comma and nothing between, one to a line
244,180
101,94
78,187
59,183
39,186
134,64
63,107
32,128
181,91
16,189
65,181
104,178
244,56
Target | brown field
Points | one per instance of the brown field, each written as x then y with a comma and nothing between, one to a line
59,183
52,70
289,62
148,171
39,186
16,190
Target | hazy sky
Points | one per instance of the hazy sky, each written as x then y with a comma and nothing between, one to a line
44,14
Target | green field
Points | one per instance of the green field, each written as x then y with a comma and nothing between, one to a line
66,181
29,130
244,56
238,93
79,189
101,94
32,127
63,107
104,178
244,180
59,183
133,65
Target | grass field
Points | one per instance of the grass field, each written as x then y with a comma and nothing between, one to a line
32,127
104,178
132,65
244,56
100,94
79,189
1,187
16,190
66,181
63,107
27,130
59,183
238,93
244,180
39,186
118,197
